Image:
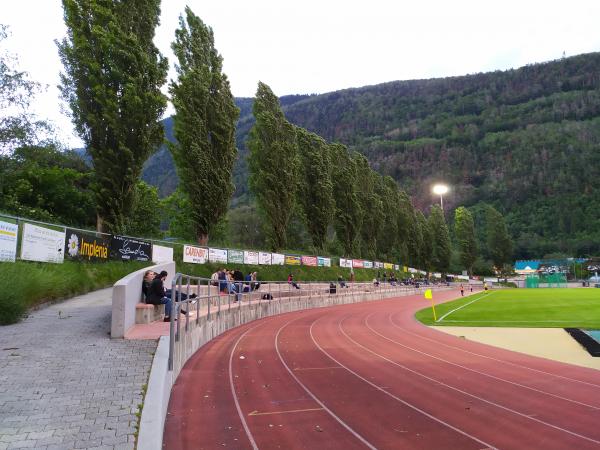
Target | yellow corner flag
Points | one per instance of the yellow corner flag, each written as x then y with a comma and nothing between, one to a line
429,295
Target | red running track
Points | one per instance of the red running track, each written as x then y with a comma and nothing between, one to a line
368,375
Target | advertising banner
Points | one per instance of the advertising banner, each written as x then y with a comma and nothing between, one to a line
250,257
412,270
309,261
235,257
292,260
216,255
324,262
405,269
358,263
388,266
42,244
368,264
80,246
129,249
396,267
264,258
195,255
8,241
345,263
277,259
378,265
161,254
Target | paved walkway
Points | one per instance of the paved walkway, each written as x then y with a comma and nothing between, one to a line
65,384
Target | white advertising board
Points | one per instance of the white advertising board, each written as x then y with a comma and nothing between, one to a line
346,263
8,241
264,258
42,244
217,255
250,257
277,259
368,264
324,262
161,254
196,255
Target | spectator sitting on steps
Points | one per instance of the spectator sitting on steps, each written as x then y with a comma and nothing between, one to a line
292,282
149,276
157,295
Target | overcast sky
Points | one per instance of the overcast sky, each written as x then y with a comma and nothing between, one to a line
317,46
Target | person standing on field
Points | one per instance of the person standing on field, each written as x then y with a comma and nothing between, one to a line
462,290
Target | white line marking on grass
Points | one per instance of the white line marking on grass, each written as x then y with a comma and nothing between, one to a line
461,307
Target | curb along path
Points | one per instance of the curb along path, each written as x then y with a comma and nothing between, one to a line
65,384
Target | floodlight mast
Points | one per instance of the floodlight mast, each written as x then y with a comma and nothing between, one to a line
440,189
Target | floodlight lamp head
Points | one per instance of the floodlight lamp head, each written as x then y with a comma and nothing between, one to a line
440,189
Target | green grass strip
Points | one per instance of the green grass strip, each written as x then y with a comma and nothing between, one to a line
548,308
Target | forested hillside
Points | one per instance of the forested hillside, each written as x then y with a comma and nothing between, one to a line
526,141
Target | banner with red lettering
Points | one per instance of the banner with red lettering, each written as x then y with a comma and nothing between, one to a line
195,255
309,261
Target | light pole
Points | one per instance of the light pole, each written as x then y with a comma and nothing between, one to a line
440,189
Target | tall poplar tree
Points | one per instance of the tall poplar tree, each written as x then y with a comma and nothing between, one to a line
112,80
371,206
425,243
273,164
499,242
389,237
348,212
203,124
441,246
464,230
409,234
315,189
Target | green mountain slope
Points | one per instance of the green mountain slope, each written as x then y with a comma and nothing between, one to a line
525,140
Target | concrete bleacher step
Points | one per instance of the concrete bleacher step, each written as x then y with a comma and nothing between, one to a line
145,313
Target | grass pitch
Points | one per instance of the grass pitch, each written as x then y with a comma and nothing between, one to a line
541,308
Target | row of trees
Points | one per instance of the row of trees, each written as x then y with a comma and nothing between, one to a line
112,80
293,169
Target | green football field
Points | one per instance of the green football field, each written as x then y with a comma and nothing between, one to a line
560,308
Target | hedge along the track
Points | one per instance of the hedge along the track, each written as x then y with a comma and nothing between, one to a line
280,273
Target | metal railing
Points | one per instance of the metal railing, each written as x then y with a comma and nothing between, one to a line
211,297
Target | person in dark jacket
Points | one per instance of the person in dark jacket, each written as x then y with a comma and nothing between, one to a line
157,295
149,275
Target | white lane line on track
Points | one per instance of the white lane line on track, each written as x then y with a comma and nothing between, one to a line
410,405
491,358
505,408
314,397
474,370
461,307
235,399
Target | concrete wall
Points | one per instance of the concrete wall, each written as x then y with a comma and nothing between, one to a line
127,292
207,328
